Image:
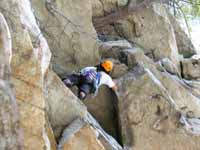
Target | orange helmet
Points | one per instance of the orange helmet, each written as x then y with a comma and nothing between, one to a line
107,65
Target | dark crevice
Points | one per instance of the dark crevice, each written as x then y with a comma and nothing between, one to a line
117,119
181,67
104,108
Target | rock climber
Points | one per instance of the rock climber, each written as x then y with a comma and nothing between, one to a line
89,79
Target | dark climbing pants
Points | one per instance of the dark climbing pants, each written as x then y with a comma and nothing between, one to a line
76,79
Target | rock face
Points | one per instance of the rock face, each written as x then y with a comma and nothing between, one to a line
154,107
122,51
85,139
171,85
191,68
10,133
102,7
184,43
67,25
104,108
167,65
119,69
146,112
61,102
80,136
140,27
86,133
151,29
152,103
62,117
31,57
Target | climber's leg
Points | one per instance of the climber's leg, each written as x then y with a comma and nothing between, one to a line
73,79
84,90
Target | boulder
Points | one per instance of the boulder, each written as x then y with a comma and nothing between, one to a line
166,64
193,86
102,7
128,55
174,86
29,63
132,57
184,43
86,133
122,51
147,109
119,69
67,26
191,68
80,136
113,49
84,139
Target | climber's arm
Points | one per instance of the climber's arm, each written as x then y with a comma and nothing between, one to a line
114,88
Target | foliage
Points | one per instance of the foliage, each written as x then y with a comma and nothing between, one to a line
190,8
187,9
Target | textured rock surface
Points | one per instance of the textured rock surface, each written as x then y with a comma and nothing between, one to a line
193,86
102,7
29,63
68,28
123,51
10,133
87,133
85,140
119,69
191,68
61,102
80,136
50,136
155,107
167,65
172,86
151,29
103,108
113,49
184,43
150,115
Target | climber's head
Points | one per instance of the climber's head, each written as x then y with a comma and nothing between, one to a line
107,66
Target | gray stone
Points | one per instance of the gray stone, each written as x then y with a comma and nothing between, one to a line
147,109
151,29
184,43
10,132
67,26
191,68
86,134
167,65
101,7
62,105
104,108
119,69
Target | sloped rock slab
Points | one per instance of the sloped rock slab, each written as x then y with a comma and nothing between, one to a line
91,131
